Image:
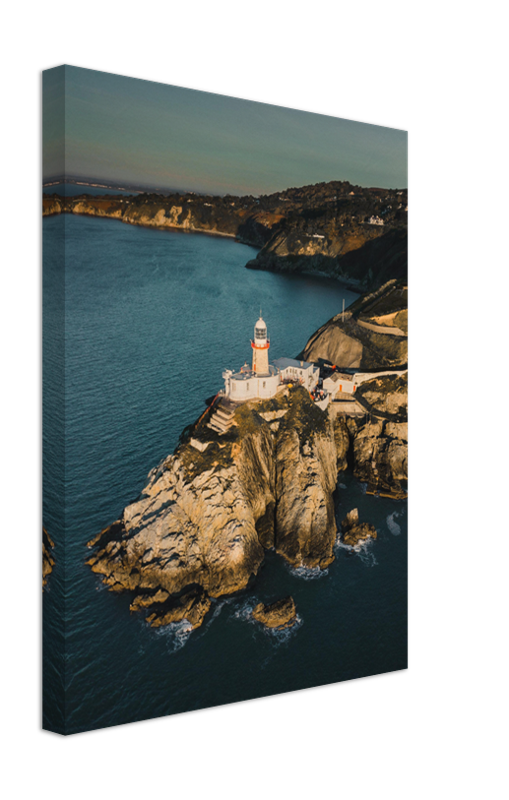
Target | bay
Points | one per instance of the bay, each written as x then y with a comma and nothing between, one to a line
151,320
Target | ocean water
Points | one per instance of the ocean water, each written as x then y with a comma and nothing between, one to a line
151,319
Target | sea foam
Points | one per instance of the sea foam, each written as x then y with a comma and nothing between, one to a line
362,549
307,573
176,634
393,526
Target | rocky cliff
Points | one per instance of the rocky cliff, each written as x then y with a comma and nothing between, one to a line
355,234
372,333
201,525
202,522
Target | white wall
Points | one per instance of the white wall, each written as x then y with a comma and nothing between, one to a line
264,386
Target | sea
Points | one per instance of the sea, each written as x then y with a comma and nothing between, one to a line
137,331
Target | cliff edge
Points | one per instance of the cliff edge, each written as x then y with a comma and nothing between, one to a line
371,334
202,522
355,234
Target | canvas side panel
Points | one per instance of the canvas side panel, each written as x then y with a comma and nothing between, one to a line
53,238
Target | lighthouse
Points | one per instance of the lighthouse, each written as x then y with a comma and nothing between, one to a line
260,345
262,380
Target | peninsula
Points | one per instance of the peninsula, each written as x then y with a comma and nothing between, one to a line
355,234
259,468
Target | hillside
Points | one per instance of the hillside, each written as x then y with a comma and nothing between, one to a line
357,235
372,333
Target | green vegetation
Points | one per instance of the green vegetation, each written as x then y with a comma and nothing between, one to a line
303,415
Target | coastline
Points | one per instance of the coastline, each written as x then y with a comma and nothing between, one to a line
318,230
138,224
348,283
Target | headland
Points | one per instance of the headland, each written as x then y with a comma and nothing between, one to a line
259,468
355,234
258,473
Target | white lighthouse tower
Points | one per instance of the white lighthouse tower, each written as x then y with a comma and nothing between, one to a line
260,345
262,380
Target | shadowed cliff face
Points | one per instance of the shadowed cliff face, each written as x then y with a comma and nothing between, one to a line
200,526
362,258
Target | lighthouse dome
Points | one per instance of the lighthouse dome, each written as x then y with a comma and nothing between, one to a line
260,330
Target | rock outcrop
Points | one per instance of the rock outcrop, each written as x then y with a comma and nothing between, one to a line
207,513
306,470
48,561
354,532
279,615
192,607
380,457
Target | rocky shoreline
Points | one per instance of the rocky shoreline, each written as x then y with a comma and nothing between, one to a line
208,513
201,526
354,234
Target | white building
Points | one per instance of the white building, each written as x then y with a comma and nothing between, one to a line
340,382
299,371
261,379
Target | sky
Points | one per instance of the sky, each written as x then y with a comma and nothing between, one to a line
141,132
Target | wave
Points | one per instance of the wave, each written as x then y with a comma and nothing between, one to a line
306,573
176,634
281,636
217,607
245,610
363,549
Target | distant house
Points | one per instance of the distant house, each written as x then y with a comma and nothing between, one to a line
375,221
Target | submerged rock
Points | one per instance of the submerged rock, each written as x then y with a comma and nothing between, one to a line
281,614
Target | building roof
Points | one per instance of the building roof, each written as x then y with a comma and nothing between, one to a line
283,363
339,376
245,376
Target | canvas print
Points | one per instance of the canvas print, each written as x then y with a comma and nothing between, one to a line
225,400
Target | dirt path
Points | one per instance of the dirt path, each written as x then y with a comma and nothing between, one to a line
380,329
